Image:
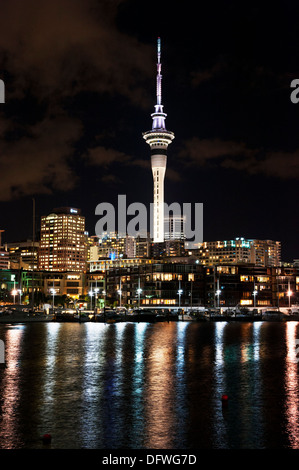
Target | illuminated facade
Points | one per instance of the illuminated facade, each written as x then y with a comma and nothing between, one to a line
240,250
4,260
159,282
23,254
62,241
158,139
266,253
70,284
112,246
175,227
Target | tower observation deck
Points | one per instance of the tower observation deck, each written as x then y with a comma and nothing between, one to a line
158,139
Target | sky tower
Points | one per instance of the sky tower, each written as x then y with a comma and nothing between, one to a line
158,139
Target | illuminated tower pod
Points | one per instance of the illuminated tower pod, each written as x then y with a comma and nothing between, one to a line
158,139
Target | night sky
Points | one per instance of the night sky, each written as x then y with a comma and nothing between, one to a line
80,80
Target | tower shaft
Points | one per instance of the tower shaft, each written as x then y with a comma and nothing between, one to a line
158,139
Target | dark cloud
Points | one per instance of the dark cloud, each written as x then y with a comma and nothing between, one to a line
282,165
63,47
104,157
39,161
199,151
219,66
236,155
57,50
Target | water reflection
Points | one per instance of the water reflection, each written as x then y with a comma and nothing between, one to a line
48,380
160,377
291,386
155,386
92,387
218,422
10,436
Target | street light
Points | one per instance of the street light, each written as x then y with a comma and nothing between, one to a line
139,290
218,292
254,293
91,294
104,294
180,291
20,294
53,292
289,295
96,290
119,291
14,292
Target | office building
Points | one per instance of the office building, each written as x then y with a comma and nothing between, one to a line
62,241
23,254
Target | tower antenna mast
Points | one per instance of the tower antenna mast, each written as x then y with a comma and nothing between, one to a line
158,139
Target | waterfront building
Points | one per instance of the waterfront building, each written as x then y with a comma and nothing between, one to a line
239,250
201,286
70,284
158,138
23,282
23,254
62,241
109,264
160,281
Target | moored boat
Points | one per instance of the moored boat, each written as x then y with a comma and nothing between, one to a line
110,316
81,317
65,316
143,315
273,315
24,316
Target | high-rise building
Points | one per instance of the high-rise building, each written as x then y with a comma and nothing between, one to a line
175,227
266,253
158,139
62,241
4,257
114,246
4,260
23,254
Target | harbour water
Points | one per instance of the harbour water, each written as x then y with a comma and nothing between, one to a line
150,386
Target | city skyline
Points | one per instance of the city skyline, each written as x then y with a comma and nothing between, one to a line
72,123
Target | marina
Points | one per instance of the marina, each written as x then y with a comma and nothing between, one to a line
110,315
